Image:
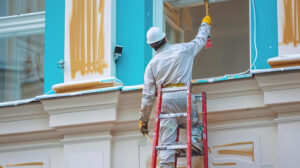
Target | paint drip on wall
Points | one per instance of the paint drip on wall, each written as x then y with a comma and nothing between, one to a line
87,37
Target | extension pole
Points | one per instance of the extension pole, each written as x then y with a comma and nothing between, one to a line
208,43
206,5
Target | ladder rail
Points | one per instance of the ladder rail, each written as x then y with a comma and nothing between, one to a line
157,126
158,116
189,127
177,140
204,134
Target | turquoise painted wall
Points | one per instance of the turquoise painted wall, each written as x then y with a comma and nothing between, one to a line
266,32
54,42
134,18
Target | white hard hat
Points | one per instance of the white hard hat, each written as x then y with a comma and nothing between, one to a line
154,35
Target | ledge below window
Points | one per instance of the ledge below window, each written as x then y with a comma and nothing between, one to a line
284,61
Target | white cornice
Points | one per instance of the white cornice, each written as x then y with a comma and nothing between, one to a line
36,145
82,108
280,87
87,139
241,125
23,117
25,23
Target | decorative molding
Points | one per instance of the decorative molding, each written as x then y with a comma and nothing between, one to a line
30,147
244,125
235,93
23,117
25,24
281,87
287,119
87,139
82,108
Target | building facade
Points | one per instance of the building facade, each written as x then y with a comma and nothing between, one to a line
70,100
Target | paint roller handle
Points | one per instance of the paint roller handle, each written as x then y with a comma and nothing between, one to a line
207,7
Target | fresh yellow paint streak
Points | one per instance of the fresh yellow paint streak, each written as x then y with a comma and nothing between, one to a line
224,164
87,47
233,144
26,164
241,152
75,87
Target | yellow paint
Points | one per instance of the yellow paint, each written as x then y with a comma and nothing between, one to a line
26,164
233,144
241,152
284,63
292,22
1,166
224,164
87,47
75,87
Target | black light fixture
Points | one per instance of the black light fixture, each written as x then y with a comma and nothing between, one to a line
118,52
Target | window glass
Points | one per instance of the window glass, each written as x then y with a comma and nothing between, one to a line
229,34
17,7
21,67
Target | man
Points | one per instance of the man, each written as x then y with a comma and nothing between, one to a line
171,66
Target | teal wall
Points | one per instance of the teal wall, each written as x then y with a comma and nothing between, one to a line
134,18
54,42
266,32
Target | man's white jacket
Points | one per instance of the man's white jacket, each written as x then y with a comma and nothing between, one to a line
171,64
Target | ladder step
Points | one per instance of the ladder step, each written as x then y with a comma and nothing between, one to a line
180,148
171,147
198,97
174,89
172,115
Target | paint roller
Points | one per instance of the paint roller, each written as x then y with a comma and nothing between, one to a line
208,42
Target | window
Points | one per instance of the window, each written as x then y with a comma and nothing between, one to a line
229,34
17,7
21,50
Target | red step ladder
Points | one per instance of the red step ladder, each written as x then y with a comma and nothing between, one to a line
187,149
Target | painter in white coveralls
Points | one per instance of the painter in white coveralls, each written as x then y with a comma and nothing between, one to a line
171,66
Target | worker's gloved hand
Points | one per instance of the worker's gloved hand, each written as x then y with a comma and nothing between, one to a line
207,19
143,127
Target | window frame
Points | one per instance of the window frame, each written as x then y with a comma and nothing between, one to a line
158,20
21,25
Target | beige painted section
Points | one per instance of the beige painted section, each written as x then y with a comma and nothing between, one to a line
26,164
75,87
288,13
87,38
291,22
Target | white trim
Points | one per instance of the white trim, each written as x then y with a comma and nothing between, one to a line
22,24
31,147
244,125
82,108
87,139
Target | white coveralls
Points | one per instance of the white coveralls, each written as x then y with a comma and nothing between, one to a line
172,64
